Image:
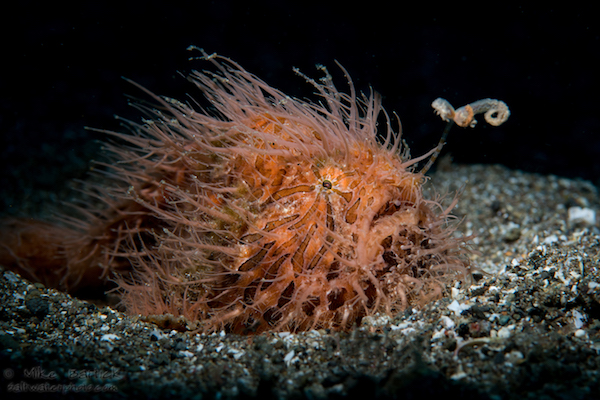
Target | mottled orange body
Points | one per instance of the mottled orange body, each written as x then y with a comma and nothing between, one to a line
317,224
277,214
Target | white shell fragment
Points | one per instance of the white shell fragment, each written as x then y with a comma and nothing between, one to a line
581,216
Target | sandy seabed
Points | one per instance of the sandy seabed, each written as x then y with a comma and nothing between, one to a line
526,327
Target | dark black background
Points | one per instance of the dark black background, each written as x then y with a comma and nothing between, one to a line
62,63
